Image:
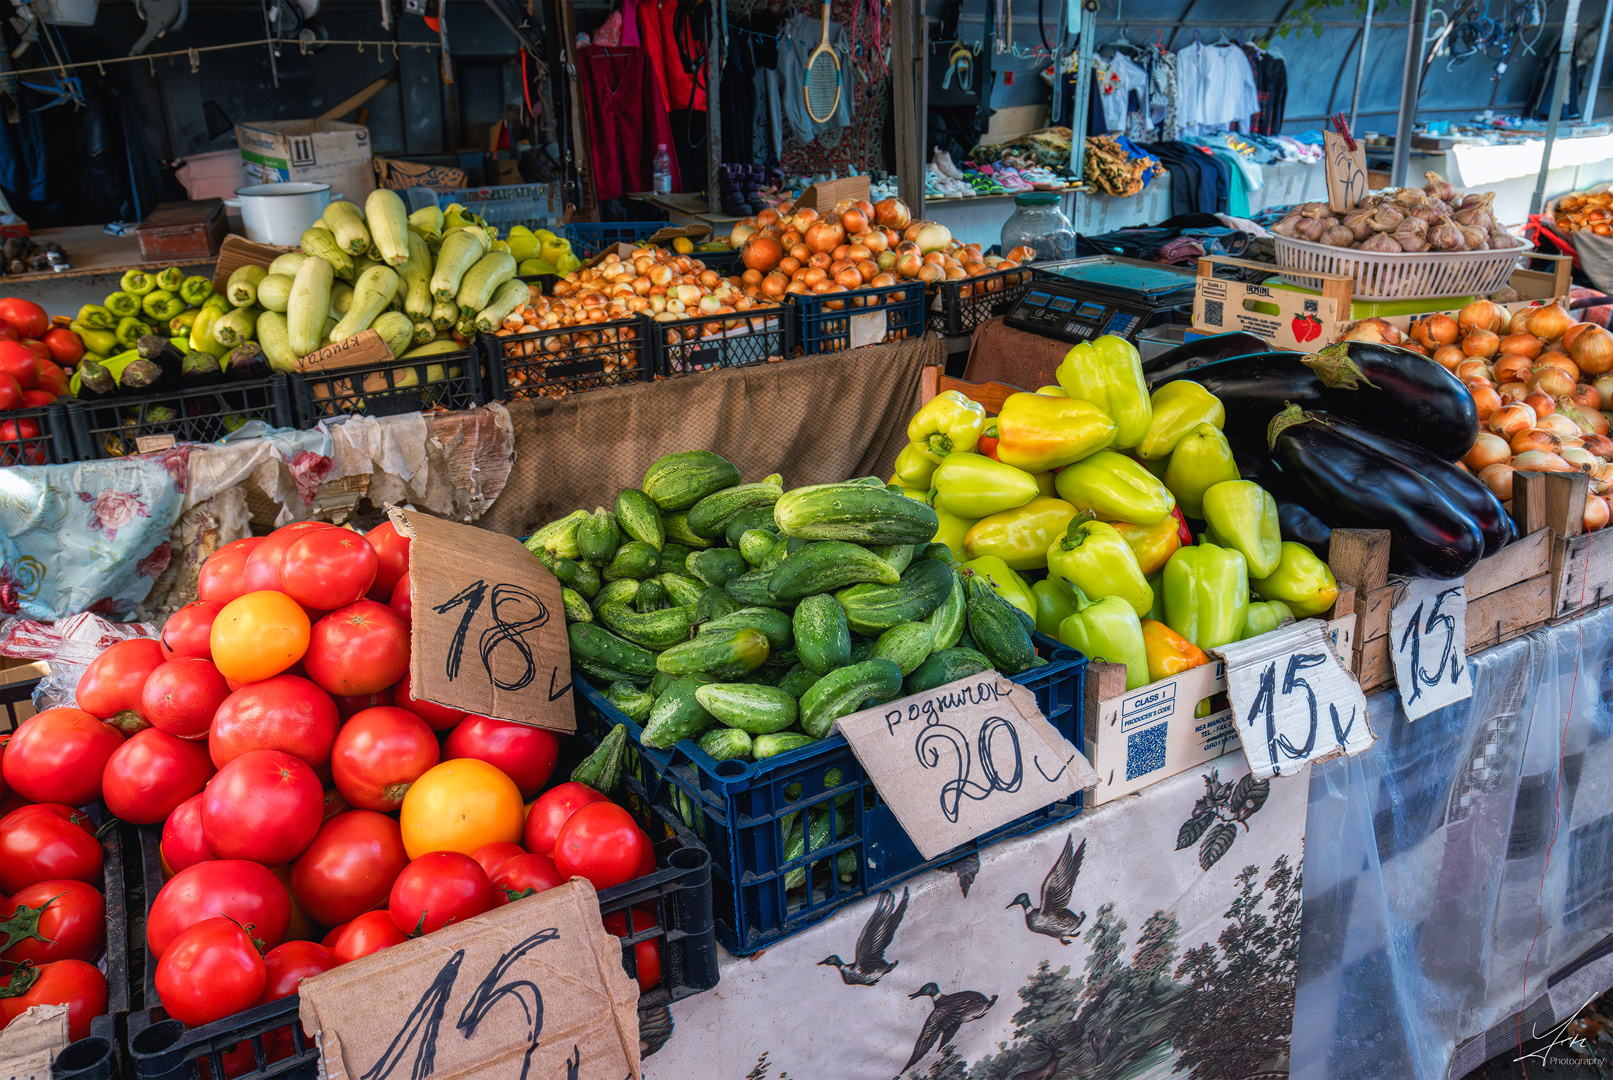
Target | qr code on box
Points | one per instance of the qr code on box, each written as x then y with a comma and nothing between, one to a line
1145,751
1213,313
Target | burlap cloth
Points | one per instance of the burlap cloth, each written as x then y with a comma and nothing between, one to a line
1003,354
814,419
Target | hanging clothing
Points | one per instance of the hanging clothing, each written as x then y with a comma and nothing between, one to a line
683,53
623,118
649,25
1163,90
630,36
738,101
1135,80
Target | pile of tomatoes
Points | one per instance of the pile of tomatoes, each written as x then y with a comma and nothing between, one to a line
312,810
36,361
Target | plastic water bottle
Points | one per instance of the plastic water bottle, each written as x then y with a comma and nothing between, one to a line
663,170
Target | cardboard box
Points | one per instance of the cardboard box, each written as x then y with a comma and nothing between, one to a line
14,672
236,252
823,196
182,230
321,151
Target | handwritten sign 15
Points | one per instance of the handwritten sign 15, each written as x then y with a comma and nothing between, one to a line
488,625
965,758
1346,171
1428,639
1292,701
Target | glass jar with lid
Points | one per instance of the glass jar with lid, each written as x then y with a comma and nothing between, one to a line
1039,224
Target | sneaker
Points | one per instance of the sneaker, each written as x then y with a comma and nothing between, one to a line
1011,179
943,161
932,185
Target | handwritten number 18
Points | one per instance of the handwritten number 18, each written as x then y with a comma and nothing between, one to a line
502,632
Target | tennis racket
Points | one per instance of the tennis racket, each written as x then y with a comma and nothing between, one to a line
822,90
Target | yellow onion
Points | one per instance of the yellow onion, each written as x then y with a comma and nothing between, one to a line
1488,449
1592,350
1542,404
1511,367
1380,331
1581,458
1448,356
1596,512
1541,461
1549,323
1475,369
1511,419
1436,330
1485,400
1552,381
1600,445
1560,426
1481,343
1535,439
892,214
1498,478
1519,323
1480,315
1586,397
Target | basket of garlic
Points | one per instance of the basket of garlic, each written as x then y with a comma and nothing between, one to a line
1408,244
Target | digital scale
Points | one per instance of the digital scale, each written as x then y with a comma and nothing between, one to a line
1101,295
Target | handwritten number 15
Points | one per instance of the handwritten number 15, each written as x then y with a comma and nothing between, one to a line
1416,627
503,631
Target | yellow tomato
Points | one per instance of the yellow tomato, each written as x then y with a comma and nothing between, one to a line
259,635
459,806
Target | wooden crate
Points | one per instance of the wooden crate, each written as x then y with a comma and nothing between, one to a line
182,230
1581,562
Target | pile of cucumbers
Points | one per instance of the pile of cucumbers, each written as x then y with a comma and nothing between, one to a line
751,618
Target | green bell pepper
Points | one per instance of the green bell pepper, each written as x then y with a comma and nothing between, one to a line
96,340
1054,604
973,486
1301,580
195,290
1264,617
1207,594
181,323
96,317
1202,459
1002,577
1020,536
170,279
913,469
1244,516
122,305
137,282
218,302
1108,630
1093,557
1116,487
160,305
1108,373
1179,407
129,331
1156,582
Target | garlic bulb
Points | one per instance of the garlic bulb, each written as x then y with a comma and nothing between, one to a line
1475,238
1412,234
1380,242
1287,226
1411,198
1500,239
1438,187
1477,213
1337,235
1446,235
1310,228
1359,222
1387,217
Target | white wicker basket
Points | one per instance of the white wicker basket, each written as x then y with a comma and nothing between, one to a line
1398,275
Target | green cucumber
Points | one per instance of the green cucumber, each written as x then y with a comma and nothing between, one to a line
821,636
674,557
661,681
639,518
855,512
576,606
678,481
620,591
677,714
944,666
775,624
826,566
998,631
601,647
861,647
798,680
602,770
715,603
677,529
751,590
898,555
759,710
725,655
577,575
935,551
598,537
653,630
726,743
558,539
634,559
651,597
757,517
842,692
710,516
907,645
946,622
603,674
634,701
756,545
775,556
717,566
873,609
680,589
766,746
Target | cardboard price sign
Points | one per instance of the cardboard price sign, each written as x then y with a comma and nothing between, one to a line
964,758
489,633
532,989
1346,172
1292,701
1428,639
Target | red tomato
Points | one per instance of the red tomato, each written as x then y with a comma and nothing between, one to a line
440,717
550,812
74,983
113,681
378,754
183,844
437,889
349,868
265,806
21,363
181,696
334,933
370,932
491,856
39,349
264,564
65,346
392,550
47,841
35,398
54,920
358,649
400,597
210,971
223,575
524,753
21,443
11,394
524,875
148,777
58,756
347,707
289,964
600,842
328,568
8,332
647,954
26,317
258,635
280,713
187,630
234,888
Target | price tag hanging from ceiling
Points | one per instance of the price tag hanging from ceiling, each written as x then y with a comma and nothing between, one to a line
1428,636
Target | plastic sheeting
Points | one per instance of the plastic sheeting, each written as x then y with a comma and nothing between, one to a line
1460,867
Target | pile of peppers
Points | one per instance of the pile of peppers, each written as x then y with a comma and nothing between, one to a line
167,302
1080,504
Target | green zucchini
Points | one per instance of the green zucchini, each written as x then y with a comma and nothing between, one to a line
766,746
828,565
998,631
653,630
677,714
907,645
757,517
600,646
678,481
759,710
946,622
775,624
634,701
821,636
717,566
676,527
873,609
715,603
751,590
726,744
639,518
602,770
576,606
599,537
944,666
634,559
842,692
854,512
725,655
710,516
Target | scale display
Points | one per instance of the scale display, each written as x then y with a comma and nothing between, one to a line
1103,295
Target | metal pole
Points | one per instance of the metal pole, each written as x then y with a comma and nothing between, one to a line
1596,65
1361,63
909,46
1565,57
714,62
1086,55
1410,84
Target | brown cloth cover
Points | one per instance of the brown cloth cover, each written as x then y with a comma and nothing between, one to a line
1003,354
815,419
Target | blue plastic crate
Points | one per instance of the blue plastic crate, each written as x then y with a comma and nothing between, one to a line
741,811
685,346
589,238
825,321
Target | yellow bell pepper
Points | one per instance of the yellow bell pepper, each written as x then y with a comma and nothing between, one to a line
1038,433
948,424
1169,653
952,530
973,486
1002,577
913,469
1179,407
1108,372
1052,391
1152,544
1020,536
1117,488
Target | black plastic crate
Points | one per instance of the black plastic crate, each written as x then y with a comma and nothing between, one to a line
567,360
726,263
450,380
589,238
37,436
684,346
829,322
957,307
117,427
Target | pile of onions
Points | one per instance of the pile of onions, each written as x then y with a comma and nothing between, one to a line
1539,381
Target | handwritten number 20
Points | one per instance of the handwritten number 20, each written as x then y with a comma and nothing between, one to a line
503,631
954,791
